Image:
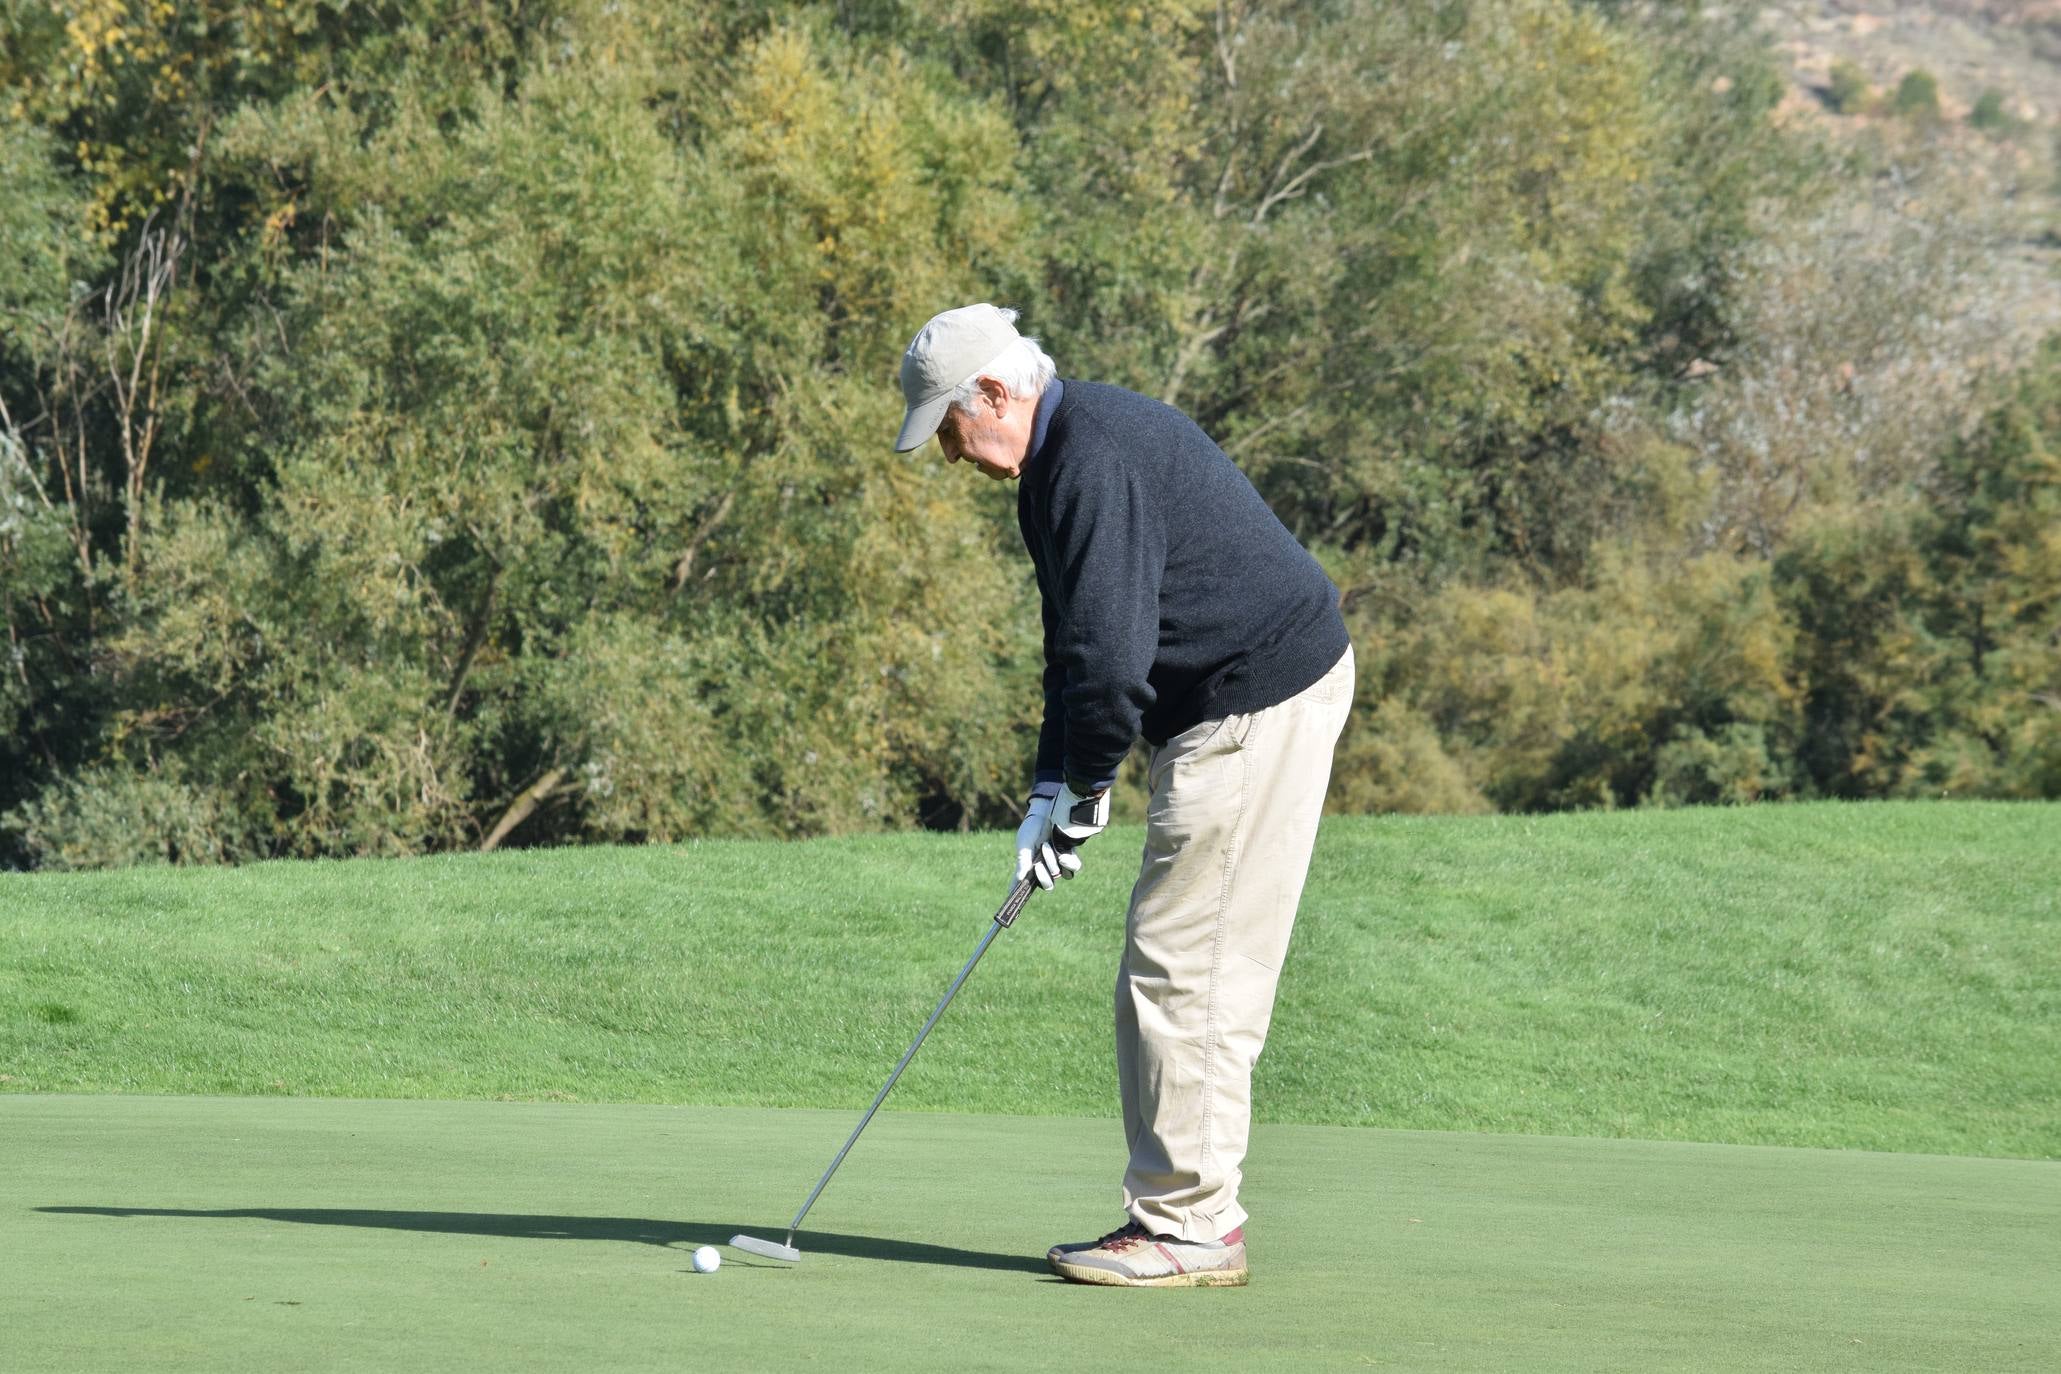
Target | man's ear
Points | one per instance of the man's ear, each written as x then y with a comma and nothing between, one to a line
993,392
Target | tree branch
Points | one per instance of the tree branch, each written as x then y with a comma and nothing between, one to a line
700,537
1285,417
531,797
131,310
1302,179
1190,351
475,636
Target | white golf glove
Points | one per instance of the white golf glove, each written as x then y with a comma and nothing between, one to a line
1080,818
1035,855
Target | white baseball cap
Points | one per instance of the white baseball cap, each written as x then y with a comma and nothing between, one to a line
952,347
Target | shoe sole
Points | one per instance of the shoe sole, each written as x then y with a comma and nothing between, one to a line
1200,1278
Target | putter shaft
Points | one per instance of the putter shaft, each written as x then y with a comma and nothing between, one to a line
1018,895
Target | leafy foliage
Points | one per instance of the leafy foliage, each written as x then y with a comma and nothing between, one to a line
436,424
1932,631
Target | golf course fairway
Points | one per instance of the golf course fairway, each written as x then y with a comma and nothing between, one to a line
221,1234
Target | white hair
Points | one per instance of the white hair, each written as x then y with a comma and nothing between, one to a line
1023,368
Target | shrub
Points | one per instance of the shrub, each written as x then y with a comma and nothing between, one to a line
1735,767
1849,89
1917,96
112,816
1989,114
1392,759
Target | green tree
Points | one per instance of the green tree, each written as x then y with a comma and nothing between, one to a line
50,494
1991,606
609,376
1930,633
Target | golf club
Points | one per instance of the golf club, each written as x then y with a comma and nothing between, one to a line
1004,918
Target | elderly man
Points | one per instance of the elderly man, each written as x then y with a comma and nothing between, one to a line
1178,609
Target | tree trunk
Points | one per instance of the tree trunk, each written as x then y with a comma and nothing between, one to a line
533,796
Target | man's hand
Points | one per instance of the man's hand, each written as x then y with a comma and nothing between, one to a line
1036,855
1080,818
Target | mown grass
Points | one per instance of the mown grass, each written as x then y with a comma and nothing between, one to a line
1877,976
241,1234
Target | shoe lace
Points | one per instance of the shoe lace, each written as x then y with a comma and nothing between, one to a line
1129,1236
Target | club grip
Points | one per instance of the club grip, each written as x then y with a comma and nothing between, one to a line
1021,893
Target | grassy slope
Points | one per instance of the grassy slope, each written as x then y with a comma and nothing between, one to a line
224,1234
1884,977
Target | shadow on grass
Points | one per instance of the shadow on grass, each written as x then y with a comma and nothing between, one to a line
641,1230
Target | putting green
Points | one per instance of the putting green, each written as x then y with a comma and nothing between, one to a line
263,1234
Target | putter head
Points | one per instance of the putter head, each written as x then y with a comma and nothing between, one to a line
771,1250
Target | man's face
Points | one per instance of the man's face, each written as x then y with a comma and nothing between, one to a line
994,436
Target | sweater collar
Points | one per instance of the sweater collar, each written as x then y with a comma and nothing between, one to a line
1047,403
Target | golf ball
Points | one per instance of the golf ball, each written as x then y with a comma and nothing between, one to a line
706,1259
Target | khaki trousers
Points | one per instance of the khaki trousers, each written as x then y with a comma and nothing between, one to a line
1233,817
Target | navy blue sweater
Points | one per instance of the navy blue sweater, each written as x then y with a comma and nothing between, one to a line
1172,595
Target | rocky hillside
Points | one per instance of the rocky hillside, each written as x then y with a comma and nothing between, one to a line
1996,69
1971,46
